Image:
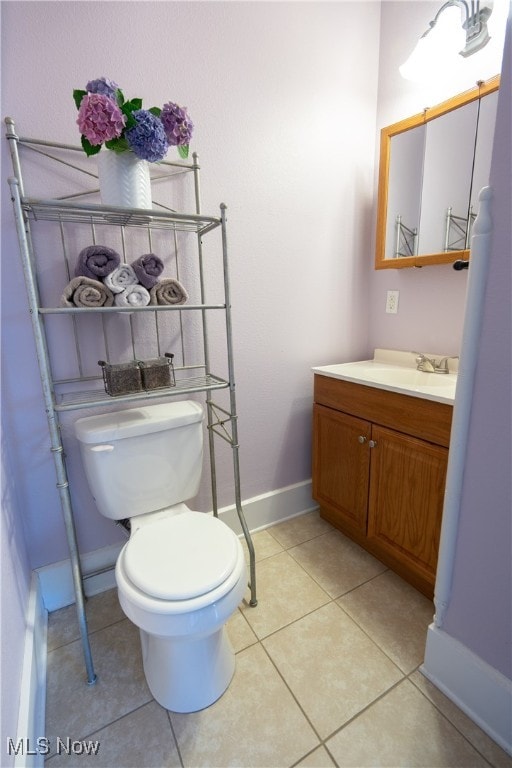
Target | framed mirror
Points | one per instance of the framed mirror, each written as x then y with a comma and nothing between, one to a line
432,167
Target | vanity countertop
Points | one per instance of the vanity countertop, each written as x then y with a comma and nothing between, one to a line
396,371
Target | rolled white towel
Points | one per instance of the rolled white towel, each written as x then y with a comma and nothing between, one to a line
121,278
132,296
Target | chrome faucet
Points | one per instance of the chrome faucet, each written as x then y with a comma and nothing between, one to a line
431,365
442,365
424,363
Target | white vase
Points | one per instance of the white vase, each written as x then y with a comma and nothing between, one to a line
124,180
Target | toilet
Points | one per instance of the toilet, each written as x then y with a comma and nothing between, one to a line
182,573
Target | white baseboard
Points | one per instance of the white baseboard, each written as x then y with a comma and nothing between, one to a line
57,579
271,508
260,512
31,715
482,692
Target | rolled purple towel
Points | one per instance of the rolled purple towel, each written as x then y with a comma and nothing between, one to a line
96,262
148,269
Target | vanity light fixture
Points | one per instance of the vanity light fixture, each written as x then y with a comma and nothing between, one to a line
448,35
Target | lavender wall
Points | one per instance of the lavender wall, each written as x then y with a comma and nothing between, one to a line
285,127
431,306
480,610
287,139
15,579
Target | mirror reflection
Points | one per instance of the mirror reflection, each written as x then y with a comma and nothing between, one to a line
447,172
432,168
404,195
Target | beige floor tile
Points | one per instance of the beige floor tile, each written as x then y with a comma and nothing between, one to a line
285,593
299,529
101,611
142,739
331,666
255,723
75,709
395,615
403,730
325,658
318,759
264,546
336,563
480,740
239,632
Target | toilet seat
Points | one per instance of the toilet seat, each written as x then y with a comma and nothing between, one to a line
182,557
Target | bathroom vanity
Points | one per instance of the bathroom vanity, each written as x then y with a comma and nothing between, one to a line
380,450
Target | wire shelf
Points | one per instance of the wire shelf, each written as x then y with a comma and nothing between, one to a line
60,211
84,311
67,349
69,401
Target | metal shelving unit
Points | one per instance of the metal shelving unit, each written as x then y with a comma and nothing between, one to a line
71,384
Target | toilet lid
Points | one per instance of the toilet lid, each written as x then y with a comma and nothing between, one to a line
181,557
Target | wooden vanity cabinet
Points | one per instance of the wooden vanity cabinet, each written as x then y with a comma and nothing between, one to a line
379,472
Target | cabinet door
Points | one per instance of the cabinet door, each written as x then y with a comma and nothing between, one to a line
341,465
407,480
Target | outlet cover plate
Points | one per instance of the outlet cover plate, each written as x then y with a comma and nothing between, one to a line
392,302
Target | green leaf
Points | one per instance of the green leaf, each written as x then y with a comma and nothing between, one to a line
90,149
134,104
156,111
78,96
130,120
117,145
183,150
127,109
119,97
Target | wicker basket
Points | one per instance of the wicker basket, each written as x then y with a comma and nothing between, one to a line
121,378
157,373
138,375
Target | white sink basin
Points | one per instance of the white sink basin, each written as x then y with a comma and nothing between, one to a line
393,374
397,378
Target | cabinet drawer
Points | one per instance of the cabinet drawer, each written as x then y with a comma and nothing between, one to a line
415,416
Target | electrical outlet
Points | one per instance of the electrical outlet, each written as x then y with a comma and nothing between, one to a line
392,302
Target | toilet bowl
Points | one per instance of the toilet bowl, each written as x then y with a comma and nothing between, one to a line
182,573
181,607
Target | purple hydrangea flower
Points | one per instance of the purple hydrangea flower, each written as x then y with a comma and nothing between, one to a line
147,139
100,119
103,85
177,124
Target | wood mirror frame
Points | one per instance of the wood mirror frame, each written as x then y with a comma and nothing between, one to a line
386,135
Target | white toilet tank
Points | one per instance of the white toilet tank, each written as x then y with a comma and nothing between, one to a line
142,459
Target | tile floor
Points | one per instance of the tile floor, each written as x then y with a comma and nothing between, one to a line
327,675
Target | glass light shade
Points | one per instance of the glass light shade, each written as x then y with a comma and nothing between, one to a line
437,52
488,61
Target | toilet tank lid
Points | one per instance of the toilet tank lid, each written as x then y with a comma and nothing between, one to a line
107,427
